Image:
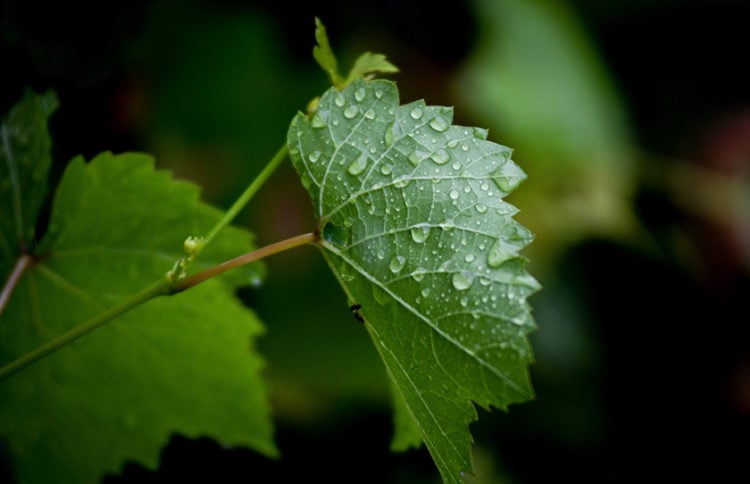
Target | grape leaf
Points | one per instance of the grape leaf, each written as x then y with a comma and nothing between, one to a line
366,64
24,163
178,364
369,63
413,224
324,55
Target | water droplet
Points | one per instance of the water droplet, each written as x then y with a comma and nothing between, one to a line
420,233
414,158
467,189
397,263
484,281
314,156
401,181
440,157
462,280
481,208
358,166
359,95
317,121
425,292
381,255
339,100
438,124
508,176
351,111
464,301
389,136
484,187
469,258
497,255
454,195
452,143
336,234
347,272
335,122
379,93
416,113
386,169
370,114
464,148
480,133
306,180
418,274
456,165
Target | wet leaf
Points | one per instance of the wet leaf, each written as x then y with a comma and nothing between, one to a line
413,223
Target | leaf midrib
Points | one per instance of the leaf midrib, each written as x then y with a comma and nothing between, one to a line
424,318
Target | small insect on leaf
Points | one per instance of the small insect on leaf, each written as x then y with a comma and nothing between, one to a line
356,310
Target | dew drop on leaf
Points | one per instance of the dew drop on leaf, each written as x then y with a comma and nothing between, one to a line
388,137
397,263
418,275
317,121
440,157
414,158
480,133
370,114
358,166
462,280
416,113
314,156
497,255
401,181
359,95
508,176
454,195
438,124
339,100
386,169
336,234
347,272
419,233
351,111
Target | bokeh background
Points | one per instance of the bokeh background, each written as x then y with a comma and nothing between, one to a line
632,119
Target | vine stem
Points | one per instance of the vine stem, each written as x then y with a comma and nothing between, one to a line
158,289
245,197
164,287
258,254
22,264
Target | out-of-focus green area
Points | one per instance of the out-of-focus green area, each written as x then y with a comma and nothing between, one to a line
632,120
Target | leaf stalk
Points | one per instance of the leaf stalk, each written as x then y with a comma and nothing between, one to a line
22,264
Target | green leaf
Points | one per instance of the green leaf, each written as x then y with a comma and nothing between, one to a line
24,163
414,226
179,364
369,63
366,64
324,54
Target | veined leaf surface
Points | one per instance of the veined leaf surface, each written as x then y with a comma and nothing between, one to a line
412,221
182,364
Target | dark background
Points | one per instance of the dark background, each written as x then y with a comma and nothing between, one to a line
643,349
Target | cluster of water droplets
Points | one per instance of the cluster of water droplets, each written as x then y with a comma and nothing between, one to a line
428,199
